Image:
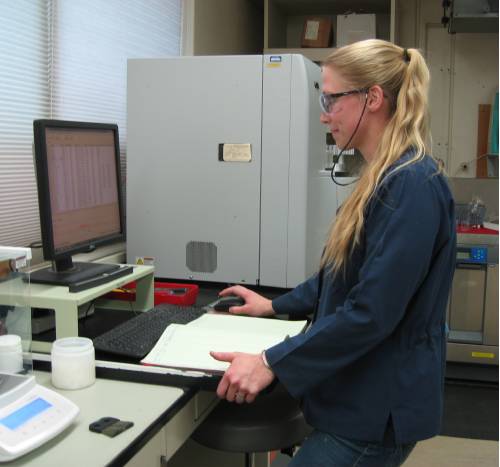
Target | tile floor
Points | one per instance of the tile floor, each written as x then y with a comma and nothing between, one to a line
442,451
445,451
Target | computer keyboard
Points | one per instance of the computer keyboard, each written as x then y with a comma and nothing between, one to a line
136,337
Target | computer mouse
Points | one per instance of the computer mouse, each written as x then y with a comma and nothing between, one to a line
224,303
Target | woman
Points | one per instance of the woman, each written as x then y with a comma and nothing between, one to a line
370,370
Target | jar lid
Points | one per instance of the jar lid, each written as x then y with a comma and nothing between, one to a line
10,343
72,345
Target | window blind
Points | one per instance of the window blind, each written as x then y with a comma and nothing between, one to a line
24,96
67,59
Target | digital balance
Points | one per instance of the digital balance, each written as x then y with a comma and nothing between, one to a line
30,415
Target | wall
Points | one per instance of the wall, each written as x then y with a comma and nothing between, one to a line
464,74
227,27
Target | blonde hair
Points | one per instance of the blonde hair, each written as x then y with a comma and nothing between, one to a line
404,77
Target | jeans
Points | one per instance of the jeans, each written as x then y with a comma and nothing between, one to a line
325,450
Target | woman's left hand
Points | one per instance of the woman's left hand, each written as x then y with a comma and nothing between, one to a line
245,378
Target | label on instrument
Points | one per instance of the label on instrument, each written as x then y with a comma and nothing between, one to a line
483,355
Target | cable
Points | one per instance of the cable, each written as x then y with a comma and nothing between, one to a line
88,309
83,319
463,166
135,312
345,147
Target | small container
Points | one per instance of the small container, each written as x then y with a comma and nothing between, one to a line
11,354
73,363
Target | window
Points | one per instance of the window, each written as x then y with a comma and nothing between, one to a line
67,59
24,95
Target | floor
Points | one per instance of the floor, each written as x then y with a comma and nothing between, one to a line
445,451
442,451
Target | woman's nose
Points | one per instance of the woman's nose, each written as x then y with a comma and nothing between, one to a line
323,118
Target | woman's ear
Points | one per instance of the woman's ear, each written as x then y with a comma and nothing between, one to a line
375,98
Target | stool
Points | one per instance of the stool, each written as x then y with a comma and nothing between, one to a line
273,421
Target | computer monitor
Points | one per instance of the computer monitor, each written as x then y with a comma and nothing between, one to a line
80,198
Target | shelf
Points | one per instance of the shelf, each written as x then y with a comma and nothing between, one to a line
318,7
284,21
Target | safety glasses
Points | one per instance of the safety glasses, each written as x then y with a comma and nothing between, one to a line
327,101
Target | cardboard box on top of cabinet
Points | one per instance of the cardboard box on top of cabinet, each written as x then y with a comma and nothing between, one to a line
317,32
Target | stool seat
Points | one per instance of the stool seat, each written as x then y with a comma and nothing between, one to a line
273,421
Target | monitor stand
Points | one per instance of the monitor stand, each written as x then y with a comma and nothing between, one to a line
79,276
43,320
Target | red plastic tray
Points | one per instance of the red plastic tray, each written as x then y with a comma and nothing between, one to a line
165,292
476,230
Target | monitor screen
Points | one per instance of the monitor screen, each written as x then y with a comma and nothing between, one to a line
83,185
79,196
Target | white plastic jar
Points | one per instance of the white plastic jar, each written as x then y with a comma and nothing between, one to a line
73,363
11,353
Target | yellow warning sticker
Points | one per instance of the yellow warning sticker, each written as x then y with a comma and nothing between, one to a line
483,355
273,65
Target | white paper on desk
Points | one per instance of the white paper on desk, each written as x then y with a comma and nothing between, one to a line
188,346
241,324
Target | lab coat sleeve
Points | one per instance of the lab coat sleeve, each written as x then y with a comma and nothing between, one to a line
400,232
300,301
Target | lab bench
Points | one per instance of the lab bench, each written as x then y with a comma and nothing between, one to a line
164,418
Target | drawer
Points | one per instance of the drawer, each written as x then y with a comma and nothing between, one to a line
179,429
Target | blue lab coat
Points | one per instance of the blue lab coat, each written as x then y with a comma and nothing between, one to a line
378,345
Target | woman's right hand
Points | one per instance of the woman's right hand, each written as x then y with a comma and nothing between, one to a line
255,304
